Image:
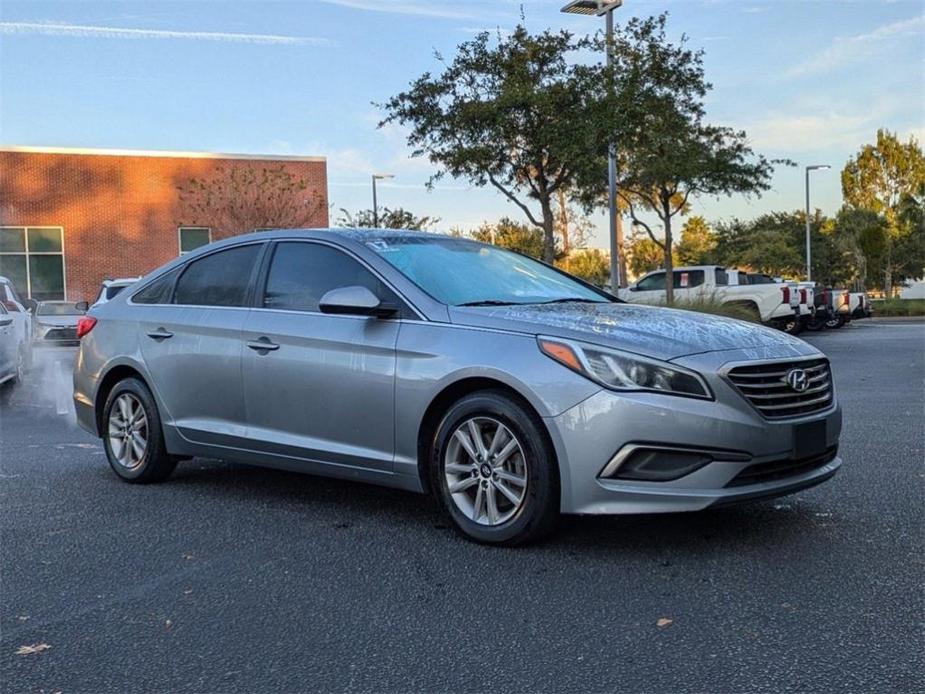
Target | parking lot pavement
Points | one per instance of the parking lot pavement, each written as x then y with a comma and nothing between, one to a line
229,578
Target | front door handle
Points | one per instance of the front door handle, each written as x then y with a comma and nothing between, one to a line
160,334
263,345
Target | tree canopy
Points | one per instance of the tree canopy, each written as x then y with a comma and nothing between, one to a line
389,218
667,152
888,178
516,112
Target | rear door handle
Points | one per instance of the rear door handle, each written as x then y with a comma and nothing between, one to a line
263,345
160,334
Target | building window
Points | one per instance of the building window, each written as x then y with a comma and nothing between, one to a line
192,238
33,258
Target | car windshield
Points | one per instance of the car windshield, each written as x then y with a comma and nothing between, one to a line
57,310
460,272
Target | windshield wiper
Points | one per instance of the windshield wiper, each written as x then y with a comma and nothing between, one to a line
573,299
488,302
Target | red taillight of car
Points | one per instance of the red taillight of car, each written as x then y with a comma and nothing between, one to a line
786,293
84,325
803,298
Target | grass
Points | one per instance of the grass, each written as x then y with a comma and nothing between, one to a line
898,307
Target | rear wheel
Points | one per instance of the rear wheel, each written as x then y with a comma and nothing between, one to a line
132,434
494,471
835,322
791,326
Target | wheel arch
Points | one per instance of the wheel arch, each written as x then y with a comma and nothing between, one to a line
452,393
115,374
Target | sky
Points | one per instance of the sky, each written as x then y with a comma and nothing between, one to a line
808,80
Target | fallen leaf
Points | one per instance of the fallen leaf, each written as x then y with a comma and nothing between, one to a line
168,623
664,622
187,591
23,617
188,556
34,648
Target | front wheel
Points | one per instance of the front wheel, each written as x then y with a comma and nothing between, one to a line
494,471
132,434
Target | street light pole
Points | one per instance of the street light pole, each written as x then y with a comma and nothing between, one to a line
606,8
809,260
377,177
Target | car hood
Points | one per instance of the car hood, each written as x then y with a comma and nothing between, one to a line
662,333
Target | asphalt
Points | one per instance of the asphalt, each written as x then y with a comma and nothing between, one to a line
234,579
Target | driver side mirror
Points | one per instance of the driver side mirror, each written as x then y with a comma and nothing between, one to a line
82,306
355,301
633,287
30,304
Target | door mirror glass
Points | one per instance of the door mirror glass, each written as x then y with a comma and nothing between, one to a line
82,306
30,304
354,301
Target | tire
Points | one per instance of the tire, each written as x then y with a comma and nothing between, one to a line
140,464
816,324
791,326
494,507
835,323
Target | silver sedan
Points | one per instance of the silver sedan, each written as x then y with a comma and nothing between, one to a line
511,391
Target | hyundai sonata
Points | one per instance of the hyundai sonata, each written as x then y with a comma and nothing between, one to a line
511,391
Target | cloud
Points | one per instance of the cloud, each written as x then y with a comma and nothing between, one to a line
843,50
409,7
788,133
106,32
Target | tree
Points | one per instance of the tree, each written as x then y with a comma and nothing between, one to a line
773,243
644,254
864,235
236,199
590,264
879,178
516,112
667,152
698,243
513,235
398,218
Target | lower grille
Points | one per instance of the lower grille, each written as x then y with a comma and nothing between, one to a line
768,389
781,469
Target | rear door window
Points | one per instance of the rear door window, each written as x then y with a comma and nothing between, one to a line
686,279
218,279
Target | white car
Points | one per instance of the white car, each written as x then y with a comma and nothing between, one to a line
11,357
111,288
20,315
775,304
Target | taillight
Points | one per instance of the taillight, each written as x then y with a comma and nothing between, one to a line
803,296
786,291
84,325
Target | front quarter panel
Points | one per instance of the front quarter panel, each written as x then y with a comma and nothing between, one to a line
434,356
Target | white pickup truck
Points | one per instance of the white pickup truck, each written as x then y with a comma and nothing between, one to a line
774,304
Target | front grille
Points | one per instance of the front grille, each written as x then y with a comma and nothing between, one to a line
765,386
781,469
61,334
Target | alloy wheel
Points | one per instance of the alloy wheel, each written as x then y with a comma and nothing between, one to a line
128,431
486,471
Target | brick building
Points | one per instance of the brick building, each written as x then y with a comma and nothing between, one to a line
70,218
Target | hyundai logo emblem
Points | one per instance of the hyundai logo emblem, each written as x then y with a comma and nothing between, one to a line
797,379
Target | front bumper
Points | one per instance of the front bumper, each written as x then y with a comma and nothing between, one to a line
589,435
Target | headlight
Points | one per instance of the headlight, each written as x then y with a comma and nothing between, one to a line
623,371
